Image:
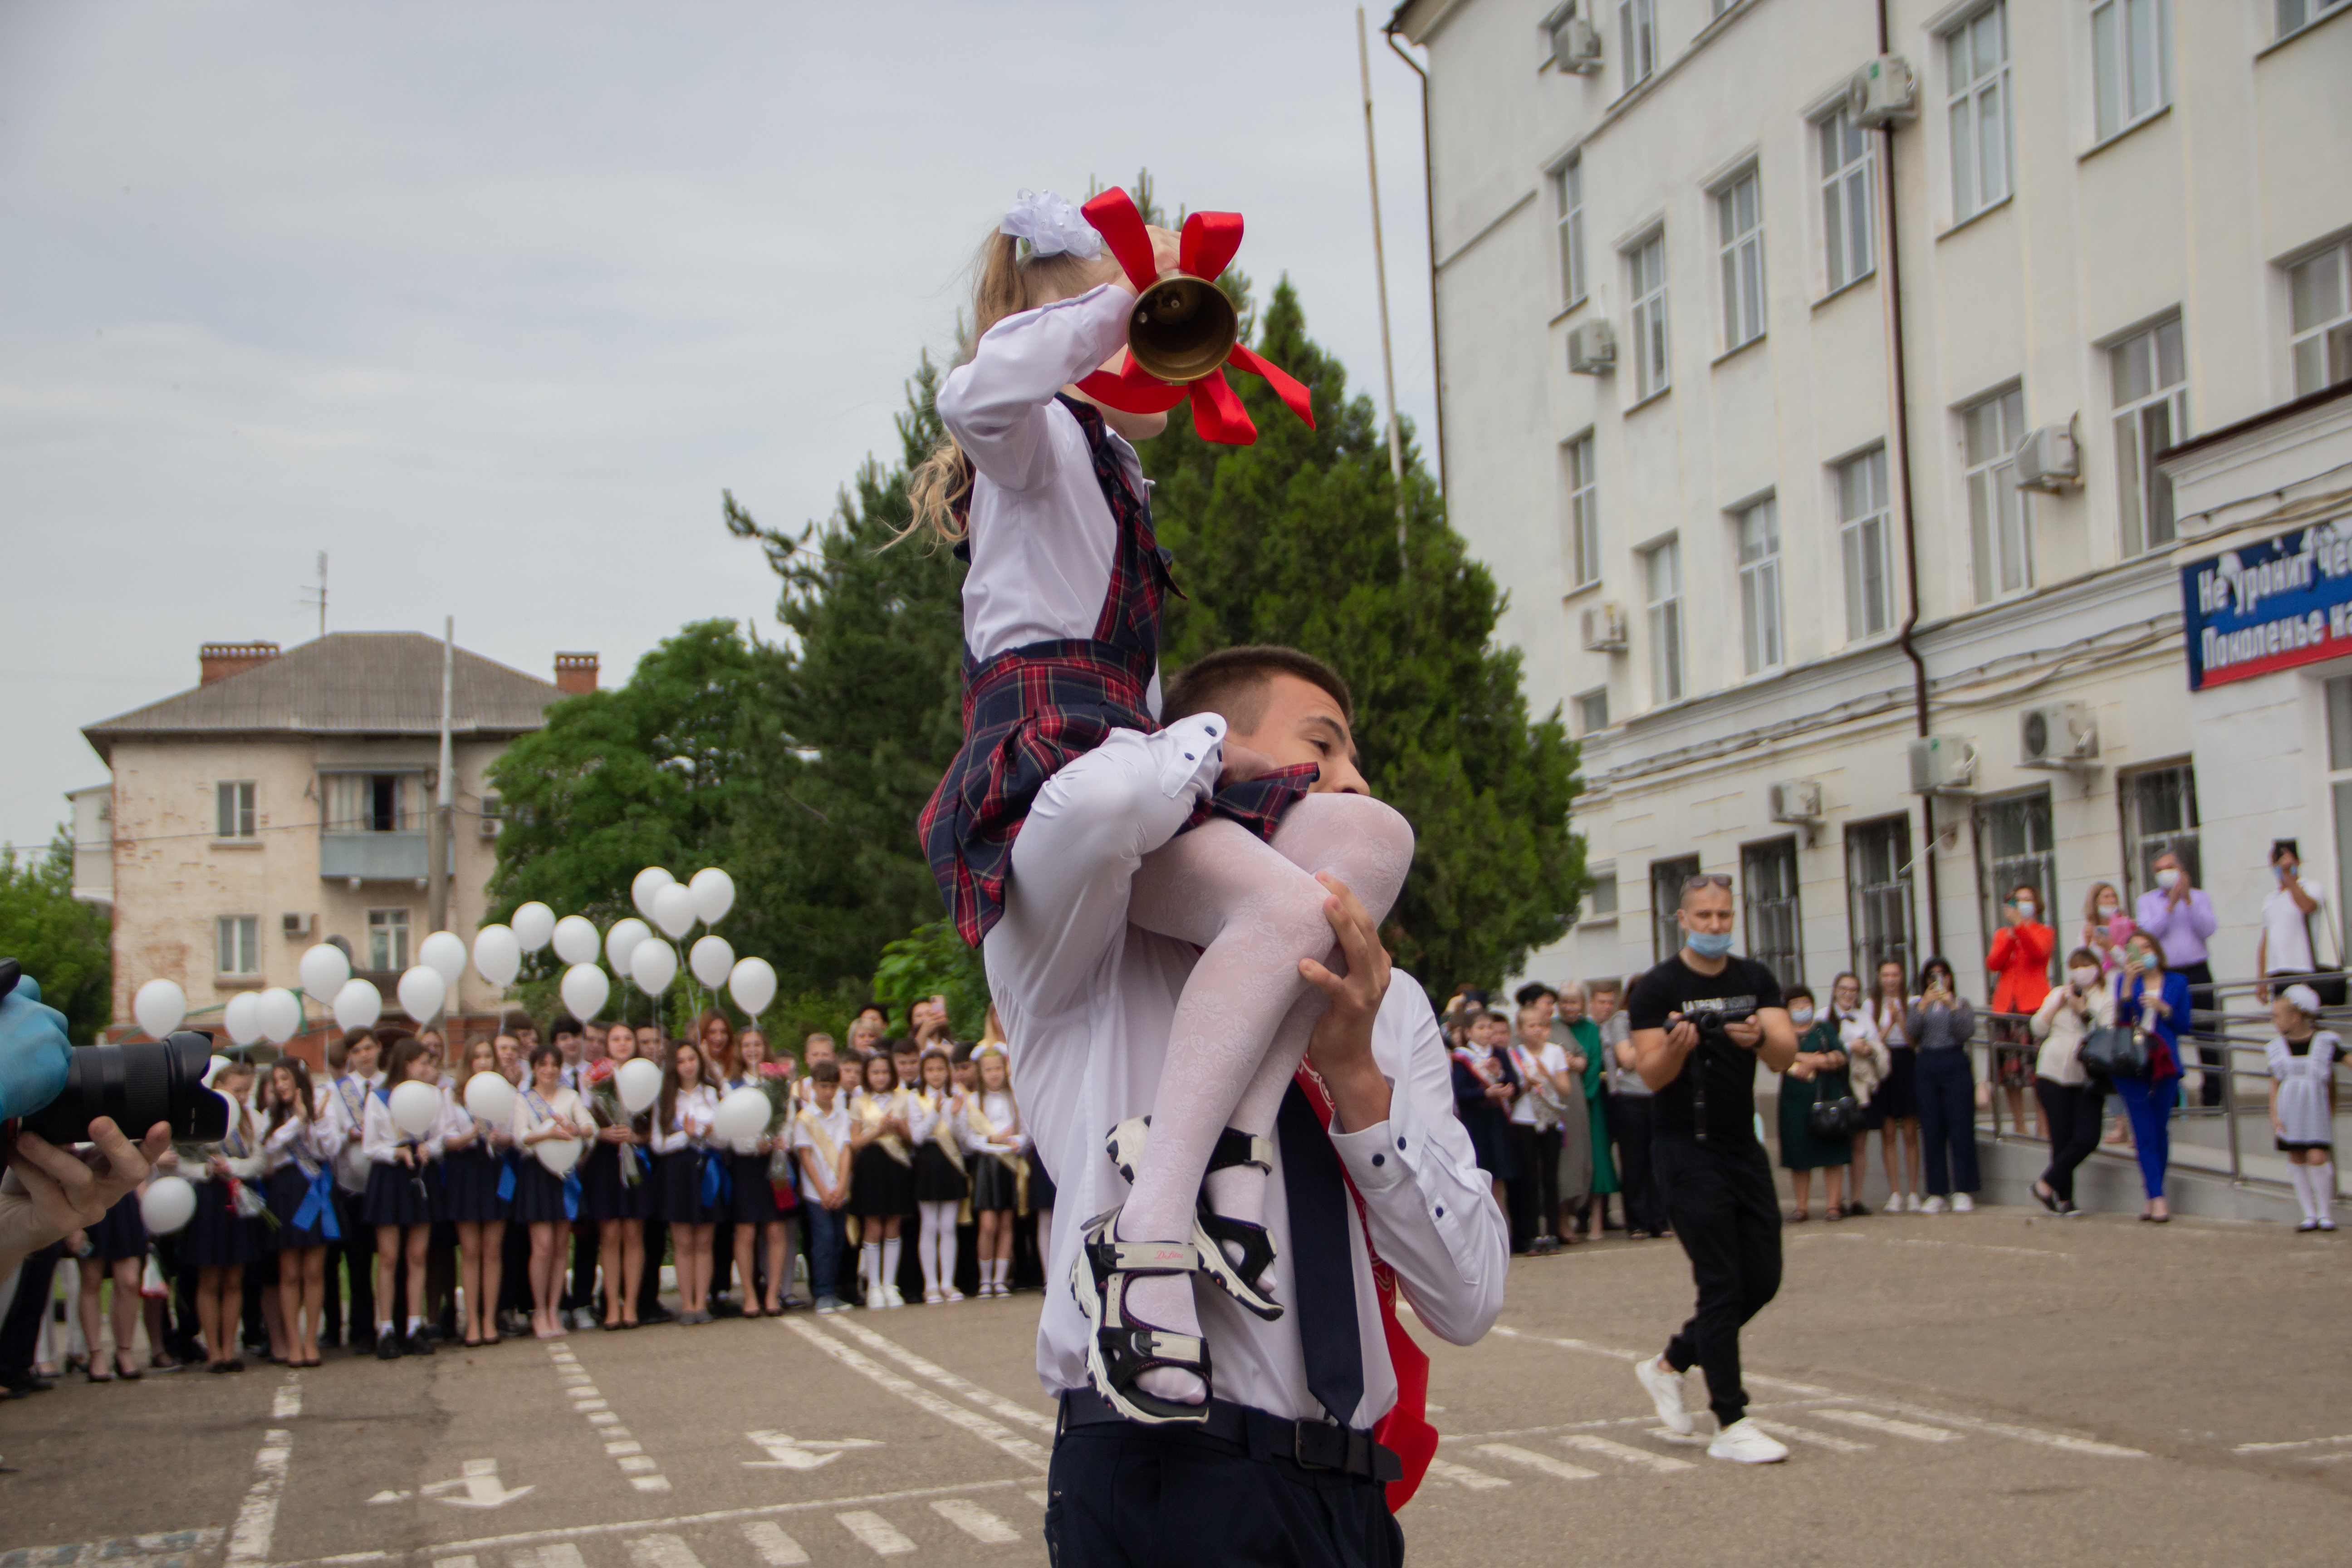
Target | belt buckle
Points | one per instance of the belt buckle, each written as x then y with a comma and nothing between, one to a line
1298,1447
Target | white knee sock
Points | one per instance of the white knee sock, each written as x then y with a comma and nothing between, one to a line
927,1246
2322,1178
2300,1175
869,1265
890,1263
946,1247
1002,1271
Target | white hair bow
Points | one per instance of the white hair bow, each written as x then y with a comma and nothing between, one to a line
2304,999
1050,226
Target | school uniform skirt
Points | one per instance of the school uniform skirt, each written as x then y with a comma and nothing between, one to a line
1041,1185
880,1187
1899,1096
678,1188
121,1232
538,1195
289,1188
937,1181
216,1237
397,1196
604,1196
995,1187
470,1187
753,1200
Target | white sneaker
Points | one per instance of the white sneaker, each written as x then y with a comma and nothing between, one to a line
1933,1205
1747,1442
890,1297
1963,1204
874,1299
1663,1384
1911,1203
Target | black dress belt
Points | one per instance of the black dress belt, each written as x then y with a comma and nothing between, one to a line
1309,1444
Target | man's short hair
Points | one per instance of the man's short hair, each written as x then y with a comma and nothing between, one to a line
515,1018
340,1051
1534,991
564,1024
826,1071
1233,681
2284,847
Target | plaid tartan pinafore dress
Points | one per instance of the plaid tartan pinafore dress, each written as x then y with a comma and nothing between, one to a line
1030,710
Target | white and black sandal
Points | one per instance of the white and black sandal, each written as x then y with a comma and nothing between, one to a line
1243,1279
1122,1348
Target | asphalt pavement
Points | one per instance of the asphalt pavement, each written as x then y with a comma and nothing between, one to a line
1994,1388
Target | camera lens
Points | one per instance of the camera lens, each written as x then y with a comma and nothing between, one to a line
138,1086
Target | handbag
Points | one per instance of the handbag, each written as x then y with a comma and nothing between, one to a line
2115,1052
1836,1118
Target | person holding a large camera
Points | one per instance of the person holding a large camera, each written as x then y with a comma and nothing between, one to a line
1701,1021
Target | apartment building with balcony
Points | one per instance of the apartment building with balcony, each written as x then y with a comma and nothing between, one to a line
1795,436
283,802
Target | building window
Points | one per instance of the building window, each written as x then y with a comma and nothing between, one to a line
2159,807
1567,189
2015,849
237,939
369,803
1592,711
1647,261
1878,896
1849,221
388,940
2294,16
234,817
2131,61
2321,295
2150,384
1863,524
1666,879
1998,518
1662,573
1976,81
1637,34
1768,877
1600,898
1583,514
1760,587
1740,225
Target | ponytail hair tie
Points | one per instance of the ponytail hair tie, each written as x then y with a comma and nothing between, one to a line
1050,226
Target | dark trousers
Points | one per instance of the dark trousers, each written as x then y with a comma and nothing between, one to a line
1629,1126
180,1320
584,1241
20,1330
1535,1192
2072,1114
514,1260
1947,1123
2199,977
723,1257
1726,1214
649,1282
824,1232
356,1254
1169,1496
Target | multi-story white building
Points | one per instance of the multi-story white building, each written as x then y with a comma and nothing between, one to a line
1737,394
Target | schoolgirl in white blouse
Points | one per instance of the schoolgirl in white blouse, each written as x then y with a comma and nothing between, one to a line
941,1184
996,1148
220,1241
547,1111
681,1146
297,1148
398,1202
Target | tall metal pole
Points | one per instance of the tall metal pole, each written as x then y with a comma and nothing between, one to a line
437,837
1380,273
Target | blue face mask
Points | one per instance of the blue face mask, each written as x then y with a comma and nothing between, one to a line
1709,943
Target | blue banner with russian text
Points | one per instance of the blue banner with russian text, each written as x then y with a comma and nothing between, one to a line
2270,605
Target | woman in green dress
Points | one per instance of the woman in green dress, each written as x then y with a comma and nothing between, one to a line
1818,1074
1596,1108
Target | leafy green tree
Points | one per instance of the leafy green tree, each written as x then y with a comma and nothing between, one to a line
59,940
934,961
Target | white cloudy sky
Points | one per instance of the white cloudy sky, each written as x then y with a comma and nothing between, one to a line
490,301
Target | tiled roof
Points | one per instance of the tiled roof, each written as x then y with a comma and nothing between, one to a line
347,683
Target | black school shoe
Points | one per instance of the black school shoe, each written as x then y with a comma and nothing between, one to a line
387,1347
419,1343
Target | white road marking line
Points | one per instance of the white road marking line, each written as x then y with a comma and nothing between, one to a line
453,1563
257,1519
972,1421
585,1405
643,1473
1623,1453
1464,1476
586,1391
288,1402
776,1549
1807,1434
163,1549
1585,1345
1967,1247
878,1534
661,1552
650,1483
2283,1447
561,1555
1040,1497
1892,1428
628,1447
637,1464
996,1405
975,1520
1559,1470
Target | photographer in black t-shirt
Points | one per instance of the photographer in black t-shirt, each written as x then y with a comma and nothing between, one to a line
1701,1021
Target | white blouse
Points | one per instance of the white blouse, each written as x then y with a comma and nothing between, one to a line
562,1106
379,1138
306,1140
690,1127
1001,1114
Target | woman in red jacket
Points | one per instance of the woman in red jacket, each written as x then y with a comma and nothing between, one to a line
2020,965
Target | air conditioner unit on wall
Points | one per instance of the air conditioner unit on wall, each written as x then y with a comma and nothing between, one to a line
1796,800
1605,629
1591,348
1575,46
294,925
2057,735
2047,459
1883,94
1942,765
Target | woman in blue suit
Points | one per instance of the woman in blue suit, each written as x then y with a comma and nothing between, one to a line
2152,998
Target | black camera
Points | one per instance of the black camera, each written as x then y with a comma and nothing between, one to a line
137,1085
1715,1026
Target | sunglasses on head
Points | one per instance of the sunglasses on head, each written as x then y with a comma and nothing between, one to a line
1707,880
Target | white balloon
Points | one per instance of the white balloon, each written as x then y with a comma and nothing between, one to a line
576,939
324,971
754,985
498,953
159,1006
358,1005
584,990
241,1016
712,960
622,941
279,1013
444,951
489,1097
742,1114
648,882
415,1106
714,894
638,1083
557,1154
653,965
674,911
422,992
168,1205
533,924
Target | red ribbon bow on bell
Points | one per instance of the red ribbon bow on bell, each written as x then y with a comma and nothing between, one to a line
1208,244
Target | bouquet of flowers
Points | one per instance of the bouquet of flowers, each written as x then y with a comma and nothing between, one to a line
775,1081
604,1105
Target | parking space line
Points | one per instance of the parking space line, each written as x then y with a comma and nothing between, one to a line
661,1552
972,1421
2062,1441
776,1549
877,1533
257,1517
975,1520
1807,1434
1888,1425
1623,1453
1464,1476
1559,1469
286,1402
560,1554
2259,1448
994,1403
454,1562
643,1472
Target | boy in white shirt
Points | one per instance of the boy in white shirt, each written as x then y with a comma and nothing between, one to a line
820,1140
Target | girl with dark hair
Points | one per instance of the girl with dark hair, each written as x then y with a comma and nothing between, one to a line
941,1184
220,1241
1899,1096
616,1189
997,1149
882,1176
750,1199
475,1170
296,1148
2070,1097
1940,1023
682,1119
2153,998
399,1204
547,1113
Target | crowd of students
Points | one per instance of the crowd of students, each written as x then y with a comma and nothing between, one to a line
318,1223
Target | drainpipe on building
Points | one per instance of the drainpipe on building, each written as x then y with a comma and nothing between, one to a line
1428,218
445,794
1902,419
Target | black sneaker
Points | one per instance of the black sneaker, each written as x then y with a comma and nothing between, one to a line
387,1347
419,1343
16,1382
